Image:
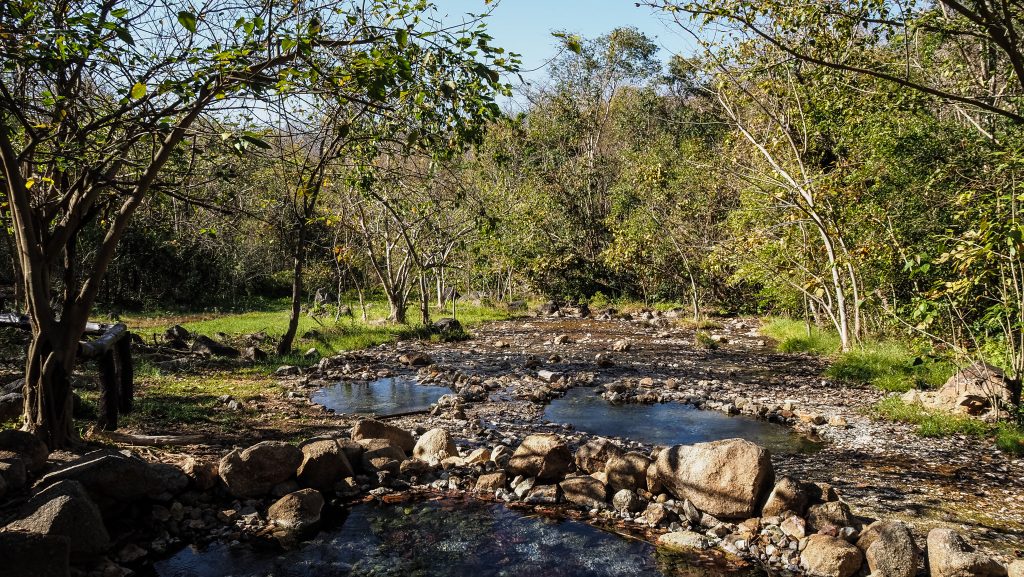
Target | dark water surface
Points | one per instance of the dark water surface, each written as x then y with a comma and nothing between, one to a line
669,423
451,538
382,397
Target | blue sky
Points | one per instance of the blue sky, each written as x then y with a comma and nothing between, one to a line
525,26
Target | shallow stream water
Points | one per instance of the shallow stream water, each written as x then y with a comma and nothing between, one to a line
669,423
447,538
381,397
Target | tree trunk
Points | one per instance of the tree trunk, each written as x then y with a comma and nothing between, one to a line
48,395
424,300
285,346
397,304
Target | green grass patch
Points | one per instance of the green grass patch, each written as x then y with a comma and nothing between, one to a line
889,365
326,335
193,399
933,423
703,340
793,336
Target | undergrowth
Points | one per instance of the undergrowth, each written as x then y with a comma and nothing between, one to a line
1008,437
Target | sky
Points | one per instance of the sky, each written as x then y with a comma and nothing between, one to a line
525,26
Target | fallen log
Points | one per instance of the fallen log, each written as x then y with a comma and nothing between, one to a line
146,440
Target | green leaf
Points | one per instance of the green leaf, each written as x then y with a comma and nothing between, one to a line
187,20
402,37
138,91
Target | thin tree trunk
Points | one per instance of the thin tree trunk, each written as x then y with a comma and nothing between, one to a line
285,346
424,300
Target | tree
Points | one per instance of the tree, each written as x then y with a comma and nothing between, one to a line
96,96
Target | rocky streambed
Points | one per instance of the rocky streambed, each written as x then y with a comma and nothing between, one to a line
818,505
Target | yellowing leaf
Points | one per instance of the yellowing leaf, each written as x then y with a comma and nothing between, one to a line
138,91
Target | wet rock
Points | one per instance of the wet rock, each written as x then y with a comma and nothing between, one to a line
373,429
323,464
26,446
542,495
585,491
298,511
491,482
67,511
949,555
657,514
34,555
435,446
683,541
594,454
626,500
826,556
543,455
834,514
889,549
727,479
627,471
788,495
253,472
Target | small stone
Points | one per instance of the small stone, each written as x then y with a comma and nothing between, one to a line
683,540
626,500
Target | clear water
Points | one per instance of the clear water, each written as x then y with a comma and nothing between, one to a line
669,423
449,538
381,397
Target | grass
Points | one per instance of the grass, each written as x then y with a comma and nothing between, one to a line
886,364
704,341
188,401
326,336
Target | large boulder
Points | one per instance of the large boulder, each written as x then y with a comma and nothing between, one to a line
65,509
628,471
34,555
29,447
728,479
373,429
585,491
13,472
1016,569
592,456
890,549
113,478
543,455
11,406
323,464
949,555
253,472
973,390
826,556
788,495
298,511
435,446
